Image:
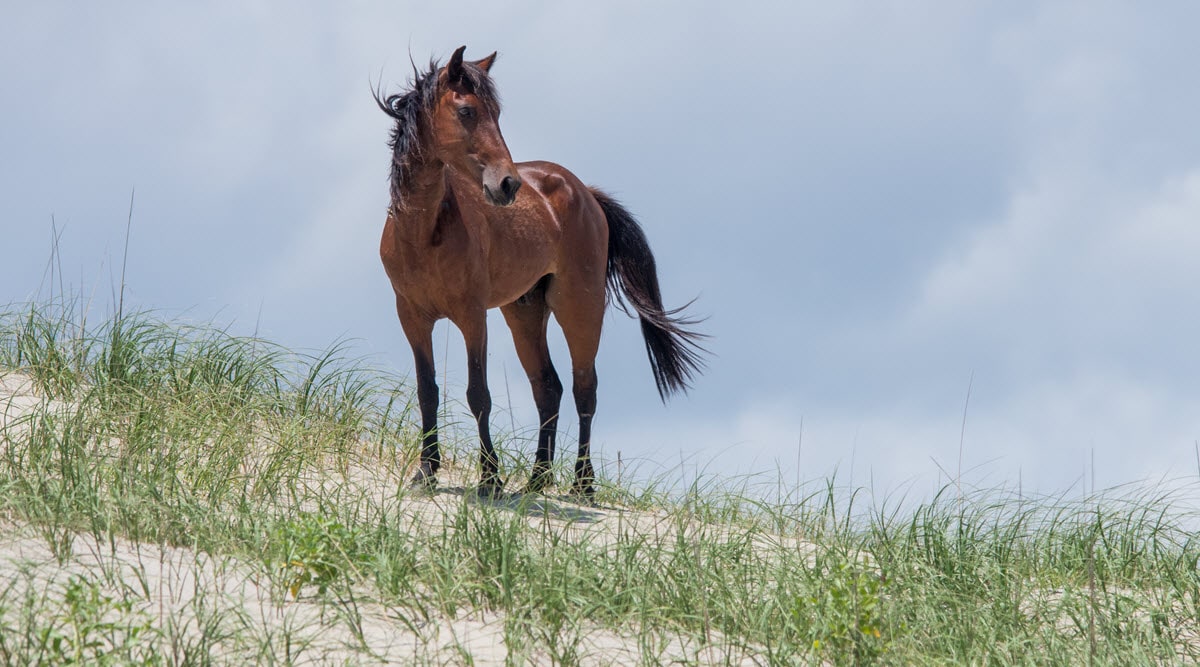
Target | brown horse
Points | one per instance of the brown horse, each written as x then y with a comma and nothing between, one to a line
468,230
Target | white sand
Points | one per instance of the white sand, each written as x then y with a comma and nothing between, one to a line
229,610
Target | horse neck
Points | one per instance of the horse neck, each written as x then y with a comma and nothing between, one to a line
423,191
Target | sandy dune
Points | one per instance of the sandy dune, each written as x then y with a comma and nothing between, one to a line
228,609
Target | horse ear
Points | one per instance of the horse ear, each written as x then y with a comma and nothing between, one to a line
486,63
454,69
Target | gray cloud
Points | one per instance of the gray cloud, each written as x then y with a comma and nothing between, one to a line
872,204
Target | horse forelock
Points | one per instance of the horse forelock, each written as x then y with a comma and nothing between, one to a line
410,110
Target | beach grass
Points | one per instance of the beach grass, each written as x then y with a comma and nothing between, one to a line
171,494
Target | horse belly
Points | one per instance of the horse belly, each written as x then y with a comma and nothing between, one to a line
512,281
522,249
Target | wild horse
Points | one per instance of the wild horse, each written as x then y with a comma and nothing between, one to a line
468,230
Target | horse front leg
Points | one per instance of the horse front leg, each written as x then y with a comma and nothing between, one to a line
427,397
419,332
479,400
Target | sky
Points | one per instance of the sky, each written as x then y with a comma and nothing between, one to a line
894,215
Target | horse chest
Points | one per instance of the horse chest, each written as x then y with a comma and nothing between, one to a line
431,266
446,266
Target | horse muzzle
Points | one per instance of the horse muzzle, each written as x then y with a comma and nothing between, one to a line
505,194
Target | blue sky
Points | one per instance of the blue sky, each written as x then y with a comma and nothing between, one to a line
876,205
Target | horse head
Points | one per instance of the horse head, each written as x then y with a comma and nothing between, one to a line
466,131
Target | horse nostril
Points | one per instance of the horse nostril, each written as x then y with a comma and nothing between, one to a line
510,186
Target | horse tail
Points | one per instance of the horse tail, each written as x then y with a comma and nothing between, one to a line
676,356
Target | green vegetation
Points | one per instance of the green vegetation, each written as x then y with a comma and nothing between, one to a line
180,495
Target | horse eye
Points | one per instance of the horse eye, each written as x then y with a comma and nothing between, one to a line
466,113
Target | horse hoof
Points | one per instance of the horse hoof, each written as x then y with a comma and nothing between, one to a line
423,484
586,490
490,489
538,483
424,480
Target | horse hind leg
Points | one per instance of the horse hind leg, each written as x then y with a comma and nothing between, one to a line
584,389
580,313
527,318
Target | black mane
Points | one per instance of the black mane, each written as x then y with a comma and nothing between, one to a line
411,108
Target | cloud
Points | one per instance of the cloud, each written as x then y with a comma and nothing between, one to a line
1076,274
873,205
1051,436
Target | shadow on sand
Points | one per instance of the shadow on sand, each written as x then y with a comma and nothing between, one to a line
561,508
